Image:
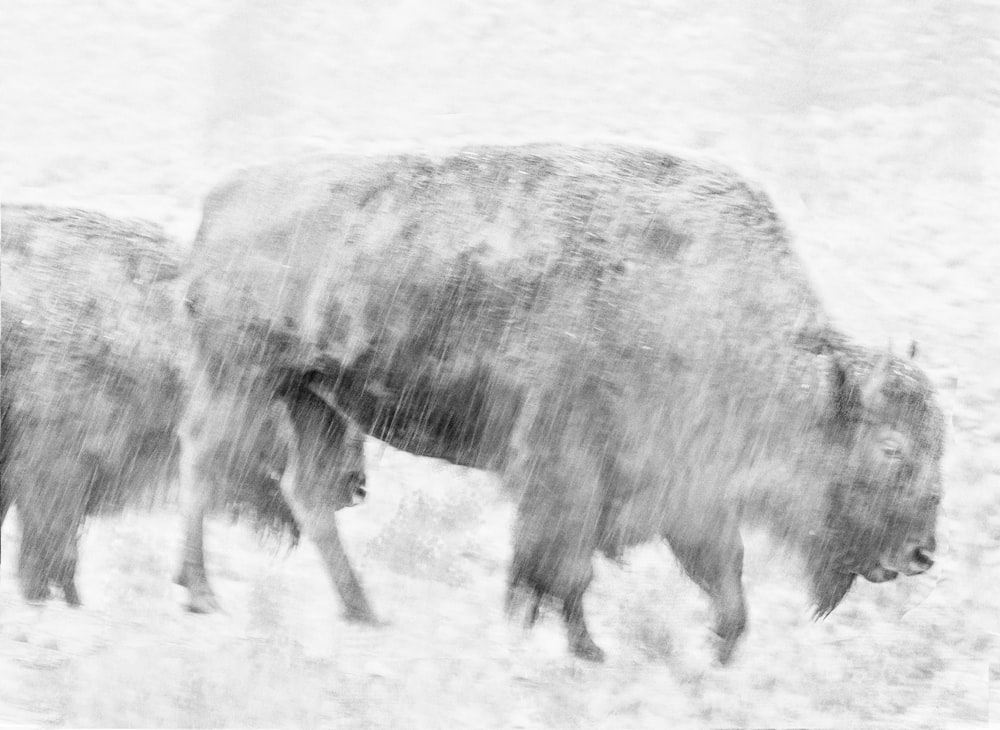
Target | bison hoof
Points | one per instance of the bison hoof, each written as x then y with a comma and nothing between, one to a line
587,649
37,594
724,653
363,616
72,598
201,598
203,601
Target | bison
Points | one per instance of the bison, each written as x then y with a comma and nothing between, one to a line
626,337
96,375
91,390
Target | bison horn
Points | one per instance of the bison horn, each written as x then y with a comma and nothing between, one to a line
818,340
912,352
871,393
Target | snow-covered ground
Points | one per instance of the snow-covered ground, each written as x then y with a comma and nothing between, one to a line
875,127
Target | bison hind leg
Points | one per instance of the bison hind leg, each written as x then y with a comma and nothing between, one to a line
201,597
192,575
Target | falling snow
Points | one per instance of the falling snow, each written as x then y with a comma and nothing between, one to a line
874,131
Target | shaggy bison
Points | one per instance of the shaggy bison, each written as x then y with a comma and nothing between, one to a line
91,393
625,336
94,362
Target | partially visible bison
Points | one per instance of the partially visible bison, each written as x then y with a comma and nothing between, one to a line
625,336
95,378
91,389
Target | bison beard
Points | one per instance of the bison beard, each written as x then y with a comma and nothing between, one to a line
626,337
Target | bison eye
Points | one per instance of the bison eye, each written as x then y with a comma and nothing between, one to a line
892,449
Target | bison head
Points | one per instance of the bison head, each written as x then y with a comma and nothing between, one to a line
886,481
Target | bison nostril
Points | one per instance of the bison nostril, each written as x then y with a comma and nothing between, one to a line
923,558
357,482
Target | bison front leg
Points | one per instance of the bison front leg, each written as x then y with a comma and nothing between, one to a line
715,563
192,575
551,559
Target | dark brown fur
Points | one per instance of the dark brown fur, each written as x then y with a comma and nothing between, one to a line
626,336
